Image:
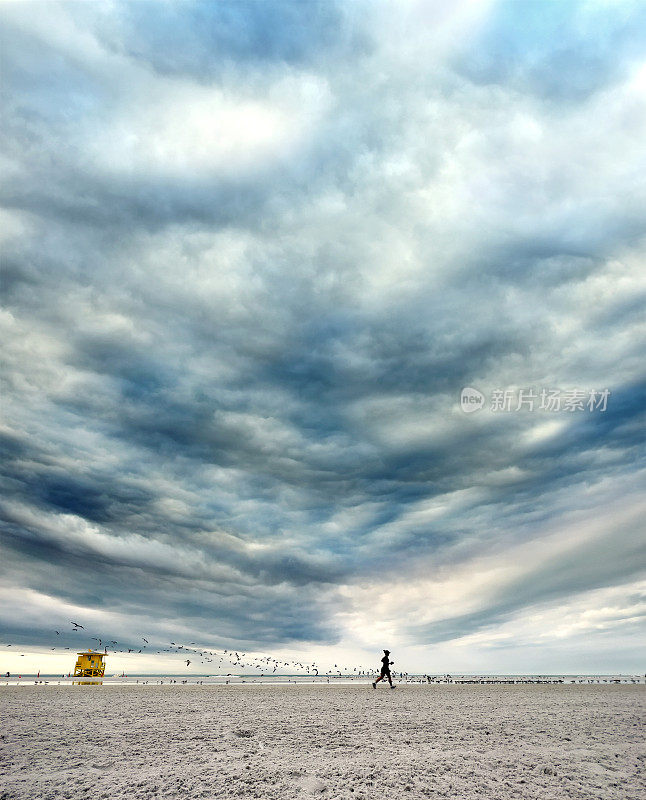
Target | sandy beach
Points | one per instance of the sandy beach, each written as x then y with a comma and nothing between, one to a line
462,742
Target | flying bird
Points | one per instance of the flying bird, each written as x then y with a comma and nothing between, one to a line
76,625
145,640
187,662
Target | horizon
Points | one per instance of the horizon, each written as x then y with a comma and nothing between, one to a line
321,676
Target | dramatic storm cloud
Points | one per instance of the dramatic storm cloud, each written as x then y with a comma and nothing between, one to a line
252,253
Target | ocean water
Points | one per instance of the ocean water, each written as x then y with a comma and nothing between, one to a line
286,679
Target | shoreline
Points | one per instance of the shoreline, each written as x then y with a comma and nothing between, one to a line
251,680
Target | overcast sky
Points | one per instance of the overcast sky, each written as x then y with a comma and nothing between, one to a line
252,253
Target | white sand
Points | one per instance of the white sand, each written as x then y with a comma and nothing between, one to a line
460,742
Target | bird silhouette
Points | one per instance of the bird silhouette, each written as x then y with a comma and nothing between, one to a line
76,625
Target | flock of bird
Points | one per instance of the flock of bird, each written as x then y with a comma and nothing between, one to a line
266,664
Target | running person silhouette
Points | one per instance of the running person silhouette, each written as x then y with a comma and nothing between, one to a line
385,670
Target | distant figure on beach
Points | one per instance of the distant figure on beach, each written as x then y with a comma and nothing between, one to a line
385,670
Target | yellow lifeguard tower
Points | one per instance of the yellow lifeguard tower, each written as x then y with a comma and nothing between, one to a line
90,665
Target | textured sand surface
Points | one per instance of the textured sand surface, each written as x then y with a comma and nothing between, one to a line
459,742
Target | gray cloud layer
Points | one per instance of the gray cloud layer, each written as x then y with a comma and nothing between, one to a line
251,256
